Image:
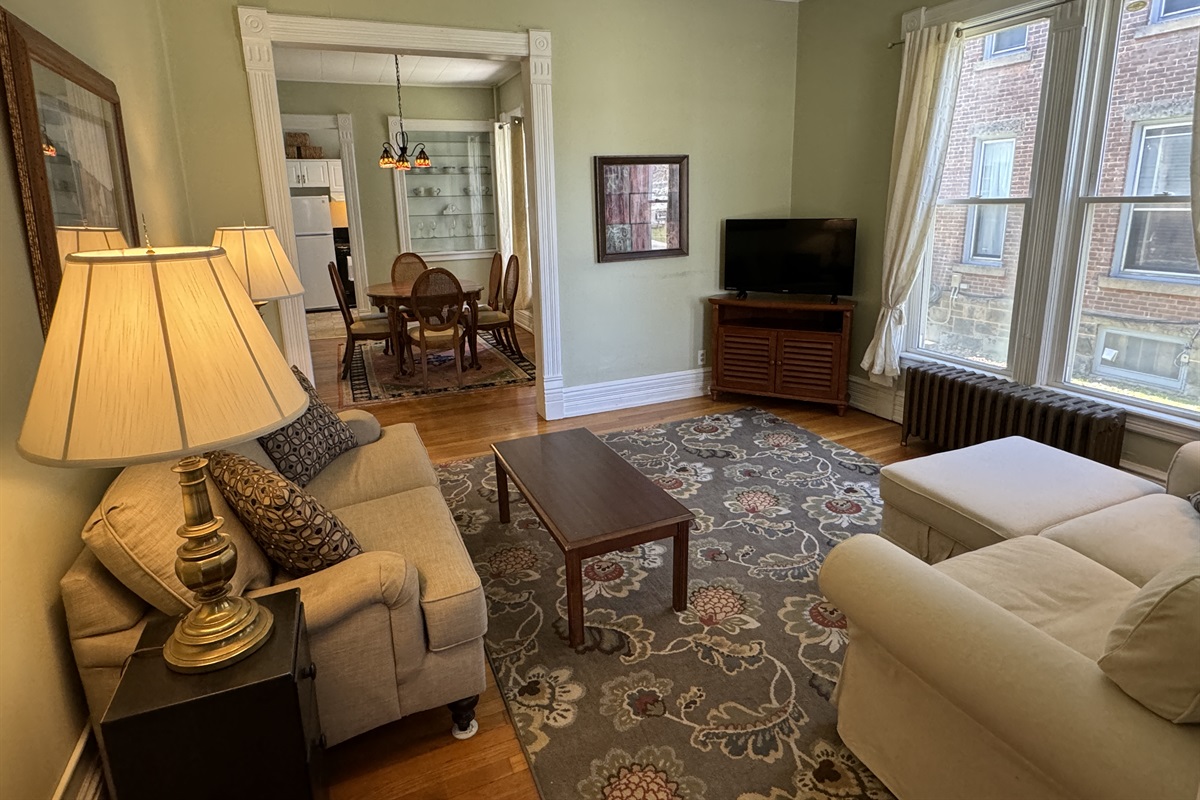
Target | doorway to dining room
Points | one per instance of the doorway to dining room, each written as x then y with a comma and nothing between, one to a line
460,226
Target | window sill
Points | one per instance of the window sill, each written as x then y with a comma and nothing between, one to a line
1150,286
1168,26
979,269
1003,61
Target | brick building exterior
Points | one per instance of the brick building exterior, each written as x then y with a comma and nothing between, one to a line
1138,331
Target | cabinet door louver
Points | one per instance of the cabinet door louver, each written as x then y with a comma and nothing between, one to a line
808,366
746,357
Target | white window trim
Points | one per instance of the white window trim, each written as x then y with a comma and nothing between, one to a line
1121,373
1157,16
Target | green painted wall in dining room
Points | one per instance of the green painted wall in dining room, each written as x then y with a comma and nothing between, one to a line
650,87
42,712
370,106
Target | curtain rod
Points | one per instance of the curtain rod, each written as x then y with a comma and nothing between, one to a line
1016,15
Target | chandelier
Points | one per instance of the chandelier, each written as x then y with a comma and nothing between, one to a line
395,156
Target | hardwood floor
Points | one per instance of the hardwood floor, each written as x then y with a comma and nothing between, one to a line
416,756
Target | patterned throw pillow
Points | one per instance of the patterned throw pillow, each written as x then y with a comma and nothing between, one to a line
295,531
306,446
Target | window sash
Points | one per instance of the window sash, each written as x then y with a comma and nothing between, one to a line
1164,10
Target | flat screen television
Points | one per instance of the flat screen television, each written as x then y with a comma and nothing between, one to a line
791,256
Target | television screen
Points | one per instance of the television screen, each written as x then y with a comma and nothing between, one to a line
794,256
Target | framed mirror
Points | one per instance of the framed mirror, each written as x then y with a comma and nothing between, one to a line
641,207
70,152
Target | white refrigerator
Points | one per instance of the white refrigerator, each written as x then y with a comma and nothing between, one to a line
314,250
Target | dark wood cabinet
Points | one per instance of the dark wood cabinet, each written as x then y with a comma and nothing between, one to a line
250,730
782,347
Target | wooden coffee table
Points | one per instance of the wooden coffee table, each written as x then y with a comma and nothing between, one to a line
592,502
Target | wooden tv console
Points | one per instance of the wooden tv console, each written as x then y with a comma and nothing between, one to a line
778,346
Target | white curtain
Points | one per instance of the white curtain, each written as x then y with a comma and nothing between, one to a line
1196,164
928,88
504,188
521,214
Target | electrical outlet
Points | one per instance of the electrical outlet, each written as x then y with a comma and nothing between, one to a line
700,357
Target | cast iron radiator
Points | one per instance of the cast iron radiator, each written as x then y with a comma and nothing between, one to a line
954,407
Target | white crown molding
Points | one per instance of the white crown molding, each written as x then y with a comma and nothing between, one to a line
633,392
330,33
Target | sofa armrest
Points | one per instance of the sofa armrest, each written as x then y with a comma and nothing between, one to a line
366,428
1047,702
1183,476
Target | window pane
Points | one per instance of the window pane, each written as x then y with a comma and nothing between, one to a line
966,311
1177,8
1164,160
1159,239
1009,40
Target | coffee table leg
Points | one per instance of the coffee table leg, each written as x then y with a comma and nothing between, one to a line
574,599
680,579
502,489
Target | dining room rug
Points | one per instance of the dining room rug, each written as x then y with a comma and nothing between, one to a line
373,376
729,699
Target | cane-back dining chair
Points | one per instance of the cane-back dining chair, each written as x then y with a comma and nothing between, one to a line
503,322
494,277
437,303
407,267
374,329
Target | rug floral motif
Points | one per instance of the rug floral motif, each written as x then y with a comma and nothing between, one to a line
373,373
728,699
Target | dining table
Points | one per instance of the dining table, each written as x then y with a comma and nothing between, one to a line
393,296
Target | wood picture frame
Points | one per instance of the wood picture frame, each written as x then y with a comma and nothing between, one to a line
24,54
641,207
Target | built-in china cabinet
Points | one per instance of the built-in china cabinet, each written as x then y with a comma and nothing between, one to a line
448,211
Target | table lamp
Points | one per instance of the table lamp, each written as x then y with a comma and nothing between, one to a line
157,354
260,262
74,239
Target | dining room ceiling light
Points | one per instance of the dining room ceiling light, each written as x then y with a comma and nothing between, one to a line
395,154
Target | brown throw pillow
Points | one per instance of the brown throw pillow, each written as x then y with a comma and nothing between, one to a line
306,446
295,531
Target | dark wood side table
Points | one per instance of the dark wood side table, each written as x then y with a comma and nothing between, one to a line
593,502
250,730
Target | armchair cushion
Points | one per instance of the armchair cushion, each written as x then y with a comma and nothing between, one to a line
132,532
1153,649
307,445
293,529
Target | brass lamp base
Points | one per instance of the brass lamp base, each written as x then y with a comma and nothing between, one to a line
221,630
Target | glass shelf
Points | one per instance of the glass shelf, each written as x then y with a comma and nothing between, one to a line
462,169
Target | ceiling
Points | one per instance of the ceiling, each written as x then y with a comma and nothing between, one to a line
333,66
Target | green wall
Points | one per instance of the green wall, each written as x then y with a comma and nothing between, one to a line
41,704
510,94
701,77
370,107
847,82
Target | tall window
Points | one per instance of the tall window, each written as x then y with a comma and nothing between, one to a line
1006,42
1158,238
991,178
1163,10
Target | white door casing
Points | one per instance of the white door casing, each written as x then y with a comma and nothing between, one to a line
261,29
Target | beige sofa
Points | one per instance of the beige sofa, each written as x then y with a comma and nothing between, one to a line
395,630
978,677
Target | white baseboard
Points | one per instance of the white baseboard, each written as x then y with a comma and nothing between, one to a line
524,319
83,778
1143,471
882,401
633,392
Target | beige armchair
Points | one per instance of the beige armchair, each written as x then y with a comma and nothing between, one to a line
395,630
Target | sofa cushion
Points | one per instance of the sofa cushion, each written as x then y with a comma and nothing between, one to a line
396,462
998,490
1050,586
418,525
1153,649
132,532
307,445
293,529
1136,539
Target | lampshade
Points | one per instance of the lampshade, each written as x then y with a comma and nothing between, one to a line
151,355
76,240
259,261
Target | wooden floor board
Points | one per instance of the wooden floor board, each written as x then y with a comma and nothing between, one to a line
416,757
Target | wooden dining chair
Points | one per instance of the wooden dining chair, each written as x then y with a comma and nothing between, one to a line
437,303
407,267
494,278
504,322
375,329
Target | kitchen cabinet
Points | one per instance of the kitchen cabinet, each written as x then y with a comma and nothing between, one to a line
308,173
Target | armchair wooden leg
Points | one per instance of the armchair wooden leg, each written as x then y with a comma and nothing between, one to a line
463,714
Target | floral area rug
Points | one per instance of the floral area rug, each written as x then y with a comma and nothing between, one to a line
726,700
373,373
